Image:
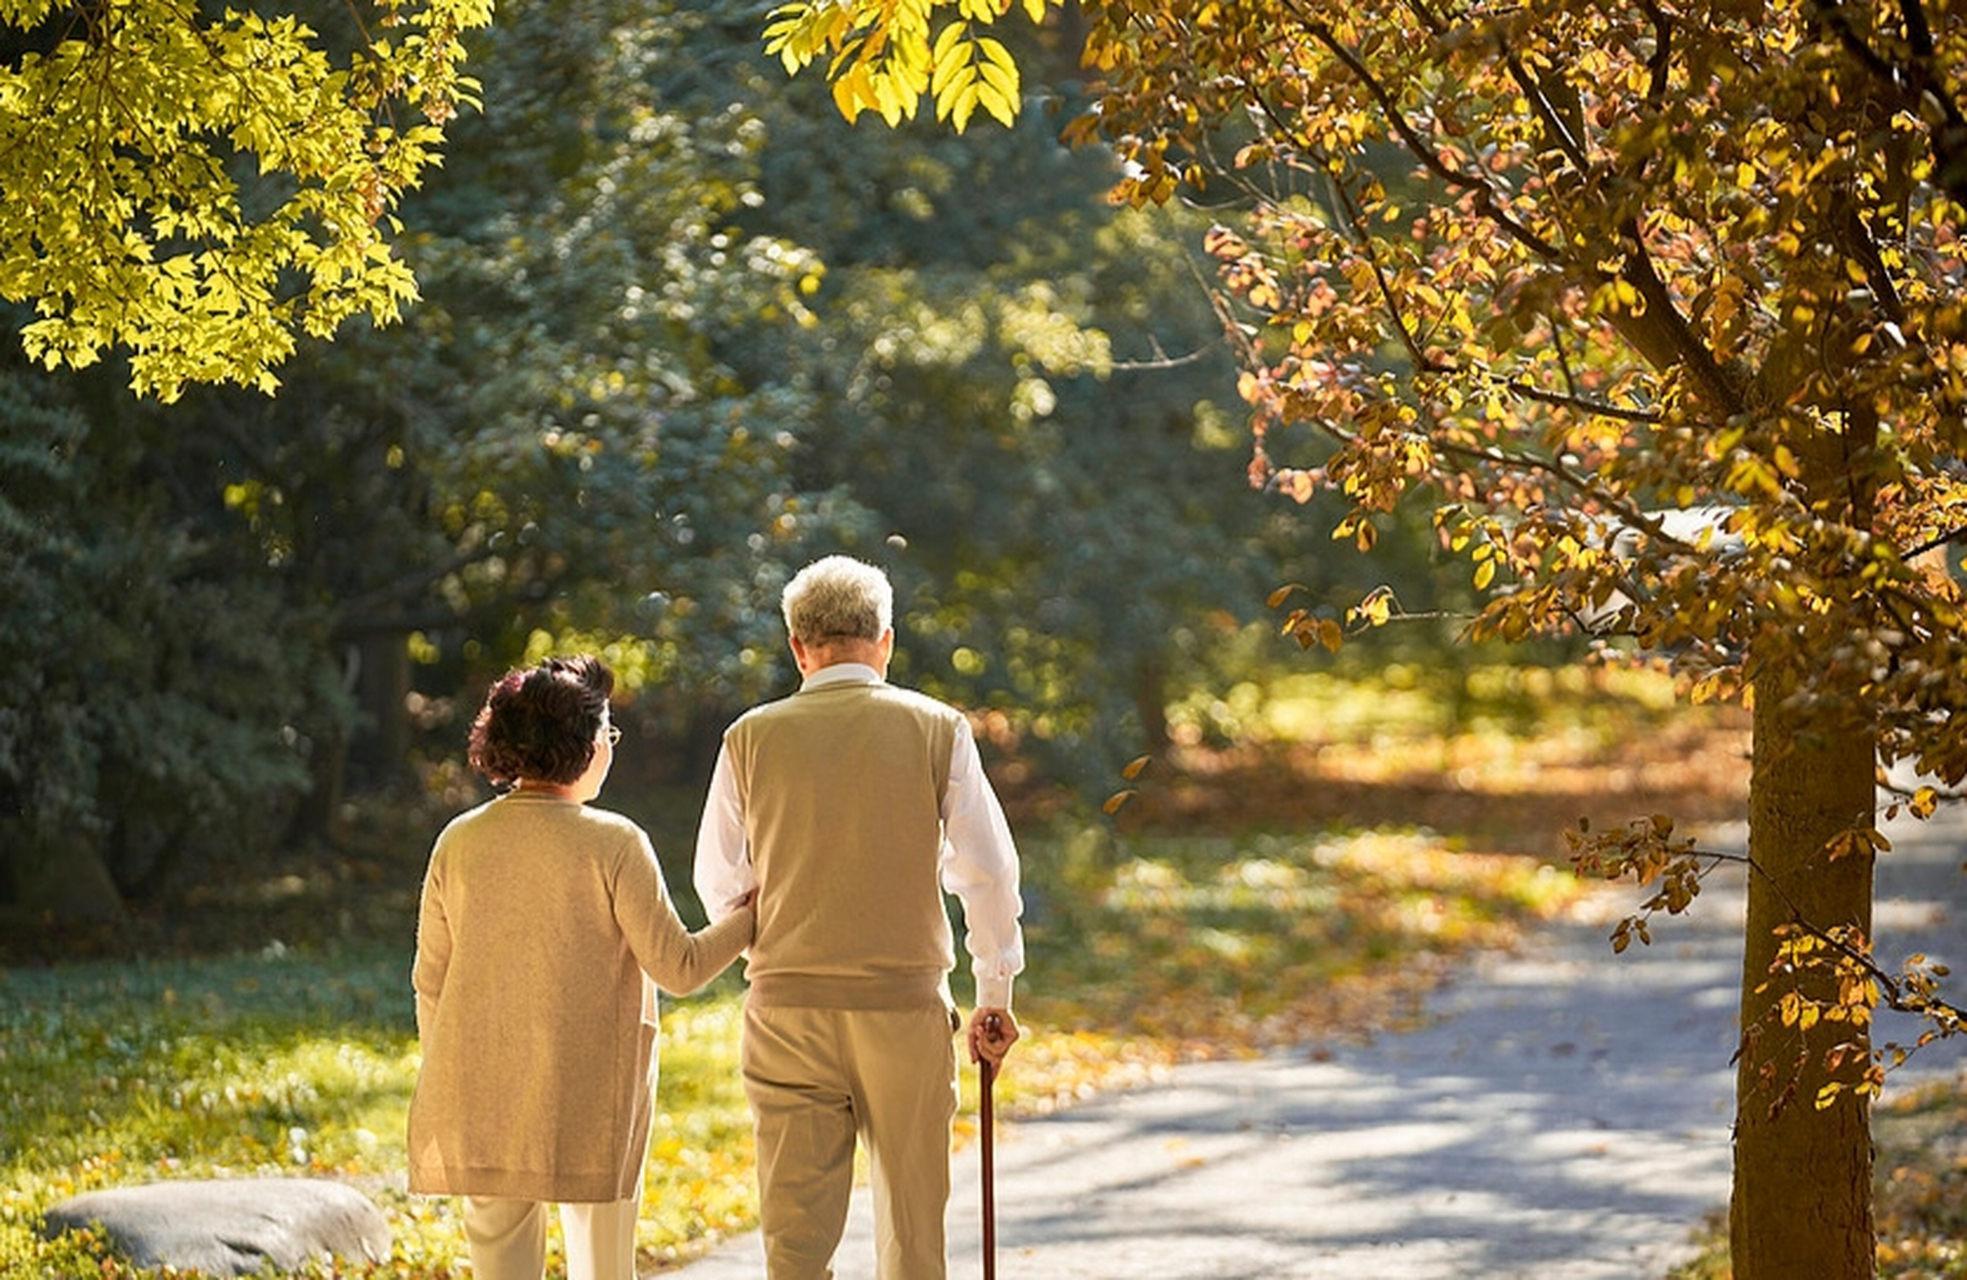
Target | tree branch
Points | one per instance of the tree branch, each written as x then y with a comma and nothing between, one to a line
1356,217
1662,319
1956,534
1948,129
1539,99
1480,189
1659,66
1581,404
1646,854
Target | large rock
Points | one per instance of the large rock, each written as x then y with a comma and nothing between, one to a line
230,1227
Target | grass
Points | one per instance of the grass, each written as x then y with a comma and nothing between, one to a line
288,1062
283,1063
1202,945
1298,869
119,1073
1921,1183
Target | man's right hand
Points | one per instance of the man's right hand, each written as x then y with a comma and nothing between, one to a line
992,1033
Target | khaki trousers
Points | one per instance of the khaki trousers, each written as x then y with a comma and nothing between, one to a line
819,1078
508,1238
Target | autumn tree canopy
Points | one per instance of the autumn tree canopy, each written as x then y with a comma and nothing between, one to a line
200,188
1659,307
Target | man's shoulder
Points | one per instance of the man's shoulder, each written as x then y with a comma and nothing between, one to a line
916,700
762,711
839,695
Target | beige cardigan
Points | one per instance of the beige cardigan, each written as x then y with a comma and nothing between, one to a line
542,924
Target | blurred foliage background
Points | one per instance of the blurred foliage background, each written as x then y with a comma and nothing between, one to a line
682,331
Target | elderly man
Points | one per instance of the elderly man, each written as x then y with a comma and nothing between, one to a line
850,807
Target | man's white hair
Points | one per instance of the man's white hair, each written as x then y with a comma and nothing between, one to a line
838,598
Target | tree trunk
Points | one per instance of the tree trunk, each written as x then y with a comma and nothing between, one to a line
318,815
379,754
1151,704
1801,1203
63,878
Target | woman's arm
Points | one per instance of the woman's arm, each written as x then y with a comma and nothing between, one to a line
433,959
680,961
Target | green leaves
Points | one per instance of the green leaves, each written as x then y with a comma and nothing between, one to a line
200,192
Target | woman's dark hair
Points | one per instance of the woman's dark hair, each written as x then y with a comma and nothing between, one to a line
540,723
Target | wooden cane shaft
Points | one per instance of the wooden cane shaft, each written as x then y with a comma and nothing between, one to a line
988,1075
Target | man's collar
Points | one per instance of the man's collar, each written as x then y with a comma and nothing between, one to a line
841,673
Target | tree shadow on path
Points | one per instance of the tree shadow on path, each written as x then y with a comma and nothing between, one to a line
1563,1114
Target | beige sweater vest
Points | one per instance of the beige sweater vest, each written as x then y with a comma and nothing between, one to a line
841,790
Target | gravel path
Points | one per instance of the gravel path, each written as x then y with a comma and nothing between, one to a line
1563,1115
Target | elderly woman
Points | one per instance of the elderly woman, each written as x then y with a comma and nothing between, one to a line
544,930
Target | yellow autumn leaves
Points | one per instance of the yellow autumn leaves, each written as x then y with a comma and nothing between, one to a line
888,66
127,227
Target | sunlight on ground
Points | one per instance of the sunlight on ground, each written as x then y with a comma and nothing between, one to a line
1257,894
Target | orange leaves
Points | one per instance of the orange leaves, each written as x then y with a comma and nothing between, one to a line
1221,243
1244,272
1060,1064
1358,527
1924,803
1725,312
1858,842
1134,769
1309,628
1375,609
1296,484
1824,978
1646,853
1312,627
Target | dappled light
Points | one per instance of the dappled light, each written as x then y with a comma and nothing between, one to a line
1421,442
1230,945
1491,759
1253,897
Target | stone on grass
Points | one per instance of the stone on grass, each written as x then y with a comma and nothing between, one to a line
230,1227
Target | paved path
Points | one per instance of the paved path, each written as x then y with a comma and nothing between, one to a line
1563,1116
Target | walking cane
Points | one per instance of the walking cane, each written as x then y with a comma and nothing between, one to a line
987,1075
